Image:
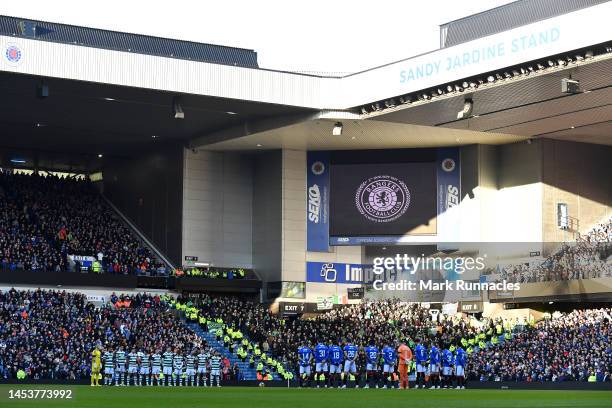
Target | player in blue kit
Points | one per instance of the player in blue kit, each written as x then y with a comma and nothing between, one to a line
321,355
460,363
434,367
371,354
336,356
350,367
420,357
390,358
304,357
447,367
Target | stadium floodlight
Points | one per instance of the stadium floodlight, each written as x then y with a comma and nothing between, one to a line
468,106
177,109
337,130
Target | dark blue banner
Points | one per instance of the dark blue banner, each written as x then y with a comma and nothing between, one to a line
335,272
317,202
449,193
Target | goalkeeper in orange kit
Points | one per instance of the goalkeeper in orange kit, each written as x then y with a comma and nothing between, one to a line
405,358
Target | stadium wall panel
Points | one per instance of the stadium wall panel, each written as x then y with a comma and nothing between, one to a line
577,174
267,215
148,190
218,208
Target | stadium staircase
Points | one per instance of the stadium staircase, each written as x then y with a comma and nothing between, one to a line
211,339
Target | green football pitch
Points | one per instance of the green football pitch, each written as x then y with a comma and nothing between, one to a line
252,397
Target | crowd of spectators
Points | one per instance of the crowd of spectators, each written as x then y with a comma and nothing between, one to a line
587,258
50,334
46,218
565,347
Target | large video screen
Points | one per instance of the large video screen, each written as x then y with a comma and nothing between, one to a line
382,199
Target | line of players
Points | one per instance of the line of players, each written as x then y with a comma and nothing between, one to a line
170,368
336,365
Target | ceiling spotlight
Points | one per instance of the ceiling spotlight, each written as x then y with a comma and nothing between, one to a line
99,155
551,63
440,91
589,54
449,88
468,106
608,49
259,145
426,97
337,130
491,78
154,136
458,88
231,113
473,85
109,99
540,66
177,109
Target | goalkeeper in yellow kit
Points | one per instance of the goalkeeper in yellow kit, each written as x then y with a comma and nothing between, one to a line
96,367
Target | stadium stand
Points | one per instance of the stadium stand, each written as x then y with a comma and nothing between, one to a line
46,218
590,257
51,334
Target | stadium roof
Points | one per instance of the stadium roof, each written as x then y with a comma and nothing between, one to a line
506,17
112,92
126,42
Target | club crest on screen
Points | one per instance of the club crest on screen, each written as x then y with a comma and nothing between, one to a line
382,198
